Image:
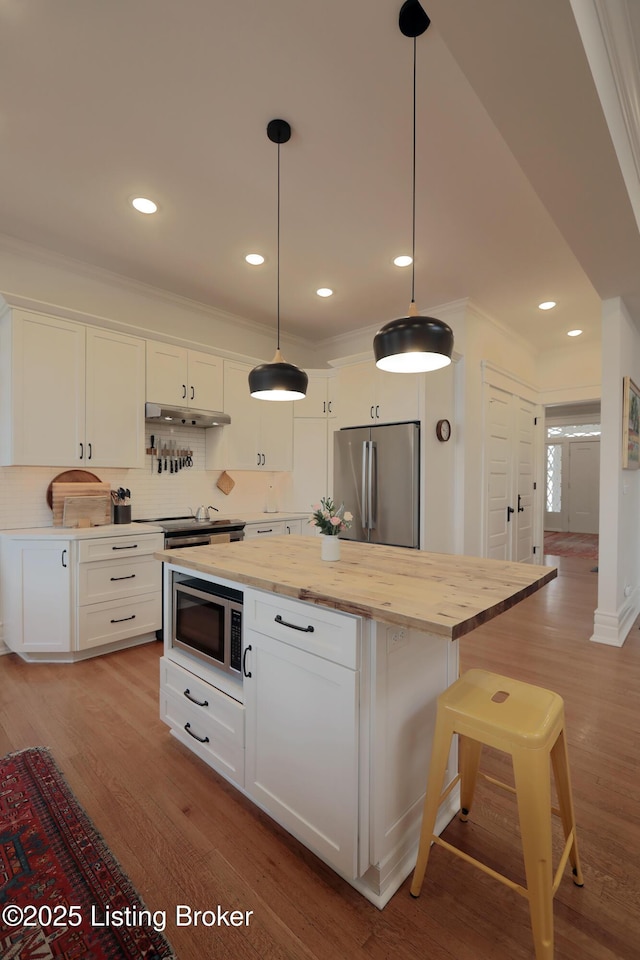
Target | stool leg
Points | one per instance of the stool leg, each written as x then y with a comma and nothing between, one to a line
533,788
468,762
560,762
435,780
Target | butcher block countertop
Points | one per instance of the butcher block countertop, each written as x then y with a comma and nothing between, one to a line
443,594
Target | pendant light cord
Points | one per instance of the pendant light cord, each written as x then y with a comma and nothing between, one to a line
413,183
278,255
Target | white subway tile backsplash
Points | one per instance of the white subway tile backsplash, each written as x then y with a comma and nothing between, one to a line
23,489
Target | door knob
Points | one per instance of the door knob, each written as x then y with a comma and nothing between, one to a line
520,508
510,510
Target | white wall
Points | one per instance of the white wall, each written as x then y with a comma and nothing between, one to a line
619,564
570,374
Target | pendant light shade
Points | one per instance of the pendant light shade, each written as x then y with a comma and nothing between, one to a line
413,344
278,380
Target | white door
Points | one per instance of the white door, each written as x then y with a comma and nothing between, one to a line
498,443
584,486
114,399
167,377
205,381
510,458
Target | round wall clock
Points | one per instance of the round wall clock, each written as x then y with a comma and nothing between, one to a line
443,430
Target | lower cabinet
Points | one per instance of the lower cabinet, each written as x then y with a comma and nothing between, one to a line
63,597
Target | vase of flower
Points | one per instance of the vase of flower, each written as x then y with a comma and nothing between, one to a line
329,547
330,521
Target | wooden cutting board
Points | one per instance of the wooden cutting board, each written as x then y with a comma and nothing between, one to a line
86,511
60,492
70,476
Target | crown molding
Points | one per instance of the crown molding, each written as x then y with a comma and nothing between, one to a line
606,30
42,255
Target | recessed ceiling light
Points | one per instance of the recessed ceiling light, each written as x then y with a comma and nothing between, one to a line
143,205
324,292
547,305
402,261
254,258
574,333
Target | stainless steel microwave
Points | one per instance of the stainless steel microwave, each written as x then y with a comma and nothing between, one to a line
207,623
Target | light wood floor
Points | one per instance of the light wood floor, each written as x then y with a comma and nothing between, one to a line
184,836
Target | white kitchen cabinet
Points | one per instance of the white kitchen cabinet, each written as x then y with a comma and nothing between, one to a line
369,395
260,435
310,479
302,721
321,399
203,718
37,596
61,598
72,395
265,528
179,377
293,527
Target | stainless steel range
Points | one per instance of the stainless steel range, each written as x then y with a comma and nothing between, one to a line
182,532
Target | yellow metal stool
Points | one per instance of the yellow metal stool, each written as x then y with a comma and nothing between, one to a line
526,722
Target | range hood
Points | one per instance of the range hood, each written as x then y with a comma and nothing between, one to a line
185,416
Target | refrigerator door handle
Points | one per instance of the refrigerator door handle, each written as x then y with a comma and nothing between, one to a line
373,484
364,511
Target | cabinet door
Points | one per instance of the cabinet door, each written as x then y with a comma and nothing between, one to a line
397,396
167,374
357,403
115,399
205,381
266,528
241,435
315,403
301,746
48,378
310,480
45,608
275,439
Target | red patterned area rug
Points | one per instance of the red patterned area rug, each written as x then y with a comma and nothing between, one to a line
63,895
583,545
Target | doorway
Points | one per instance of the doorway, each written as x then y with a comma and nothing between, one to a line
572,483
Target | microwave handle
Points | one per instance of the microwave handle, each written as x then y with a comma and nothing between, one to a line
245,672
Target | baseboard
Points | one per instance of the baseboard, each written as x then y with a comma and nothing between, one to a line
612,628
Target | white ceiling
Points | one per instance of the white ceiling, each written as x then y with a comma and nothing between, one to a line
519,194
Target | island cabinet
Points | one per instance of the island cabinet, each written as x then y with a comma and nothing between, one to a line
302,701
329,727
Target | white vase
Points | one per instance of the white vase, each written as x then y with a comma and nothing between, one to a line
330,547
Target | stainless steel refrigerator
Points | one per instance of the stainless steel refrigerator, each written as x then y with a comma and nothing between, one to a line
376,474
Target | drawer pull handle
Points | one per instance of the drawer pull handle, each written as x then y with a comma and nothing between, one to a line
294,626
122,619
270,530
187,727
198,703
128,577
130,546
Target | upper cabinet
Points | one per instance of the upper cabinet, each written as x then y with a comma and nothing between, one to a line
369,395
70,395
321,399
178,377
260,435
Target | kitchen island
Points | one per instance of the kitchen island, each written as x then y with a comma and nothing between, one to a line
328,728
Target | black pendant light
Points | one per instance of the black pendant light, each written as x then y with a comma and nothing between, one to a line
413,344
278,380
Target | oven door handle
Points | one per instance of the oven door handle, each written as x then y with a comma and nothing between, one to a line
174,543
246,673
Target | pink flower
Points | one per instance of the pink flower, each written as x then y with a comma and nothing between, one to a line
336,521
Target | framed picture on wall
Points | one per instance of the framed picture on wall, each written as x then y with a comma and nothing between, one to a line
630,425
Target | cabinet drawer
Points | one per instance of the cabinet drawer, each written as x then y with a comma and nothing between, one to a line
100,623
111,579
223,712
108,548
269,528
203,735
333,636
